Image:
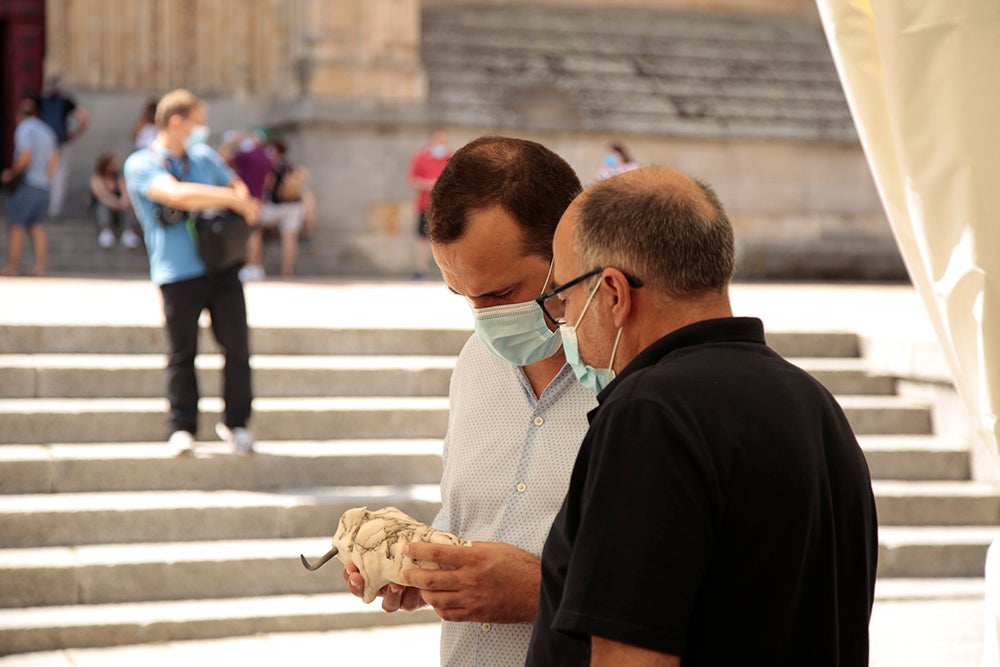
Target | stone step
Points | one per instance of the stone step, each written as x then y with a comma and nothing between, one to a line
901,589
73,519
847,376
937,503
146,339
152,466
36,421
73,251
141,375
916,457
419,340
872,415
106,574
934,551
521,25
76,626
78,467
114,573
101,518
51,420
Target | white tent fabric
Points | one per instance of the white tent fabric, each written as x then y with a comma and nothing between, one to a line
922,78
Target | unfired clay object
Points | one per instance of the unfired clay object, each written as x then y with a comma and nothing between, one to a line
373,541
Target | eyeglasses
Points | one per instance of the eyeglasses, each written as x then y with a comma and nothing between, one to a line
555,309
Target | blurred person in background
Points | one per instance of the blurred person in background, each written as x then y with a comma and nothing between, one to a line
36,159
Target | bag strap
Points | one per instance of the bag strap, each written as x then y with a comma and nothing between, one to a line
169,162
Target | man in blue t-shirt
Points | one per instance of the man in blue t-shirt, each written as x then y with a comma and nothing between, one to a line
178,173
35,160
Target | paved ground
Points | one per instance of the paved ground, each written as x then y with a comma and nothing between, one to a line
915,633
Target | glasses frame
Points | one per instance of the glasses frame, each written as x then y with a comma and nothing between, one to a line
559,321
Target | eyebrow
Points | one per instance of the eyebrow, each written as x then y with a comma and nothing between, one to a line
485,295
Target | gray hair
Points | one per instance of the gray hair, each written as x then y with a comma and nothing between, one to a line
677,241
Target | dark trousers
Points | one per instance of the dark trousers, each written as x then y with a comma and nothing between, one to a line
183,302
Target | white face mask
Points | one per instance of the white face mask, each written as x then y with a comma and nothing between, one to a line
517,332
199,135
594,379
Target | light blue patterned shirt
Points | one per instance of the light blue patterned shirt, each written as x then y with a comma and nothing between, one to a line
507,462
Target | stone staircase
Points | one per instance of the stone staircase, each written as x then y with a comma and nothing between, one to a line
106,539
649,70
73,250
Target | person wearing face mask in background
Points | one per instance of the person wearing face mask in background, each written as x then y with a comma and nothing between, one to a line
517,414
616,161
425,167
248,155
178,173
720,510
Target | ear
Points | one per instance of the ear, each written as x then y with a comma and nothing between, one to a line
616,285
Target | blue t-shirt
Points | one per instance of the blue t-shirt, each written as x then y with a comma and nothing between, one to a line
34,135
173,253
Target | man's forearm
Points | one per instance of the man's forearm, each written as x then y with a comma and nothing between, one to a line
197,196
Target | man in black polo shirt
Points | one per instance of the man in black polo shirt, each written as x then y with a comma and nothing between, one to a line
720,510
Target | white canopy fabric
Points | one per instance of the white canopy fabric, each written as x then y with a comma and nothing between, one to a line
922,78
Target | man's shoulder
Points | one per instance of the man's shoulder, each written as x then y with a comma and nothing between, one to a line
203,152
204,159
35,127
475,353
141,158
141,166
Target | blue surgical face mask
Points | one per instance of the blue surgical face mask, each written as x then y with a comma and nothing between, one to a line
517,332
199,135
612,160
594,379
438,151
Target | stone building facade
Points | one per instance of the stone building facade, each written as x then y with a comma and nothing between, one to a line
747,100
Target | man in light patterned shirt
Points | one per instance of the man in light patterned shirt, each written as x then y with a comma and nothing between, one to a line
517,414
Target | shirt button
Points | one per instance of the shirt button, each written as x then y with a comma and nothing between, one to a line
486,627
522,487
539,421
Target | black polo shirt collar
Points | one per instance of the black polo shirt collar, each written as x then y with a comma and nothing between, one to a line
724,329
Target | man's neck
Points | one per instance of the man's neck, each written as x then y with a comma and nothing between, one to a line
665,317
173,145
541,373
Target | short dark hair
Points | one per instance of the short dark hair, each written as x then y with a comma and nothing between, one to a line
279,145
678,241
526,179
103,160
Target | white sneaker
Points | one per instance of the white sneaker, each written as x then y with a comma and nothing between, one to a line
130,239
241,439
182,443
252,273
106,238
